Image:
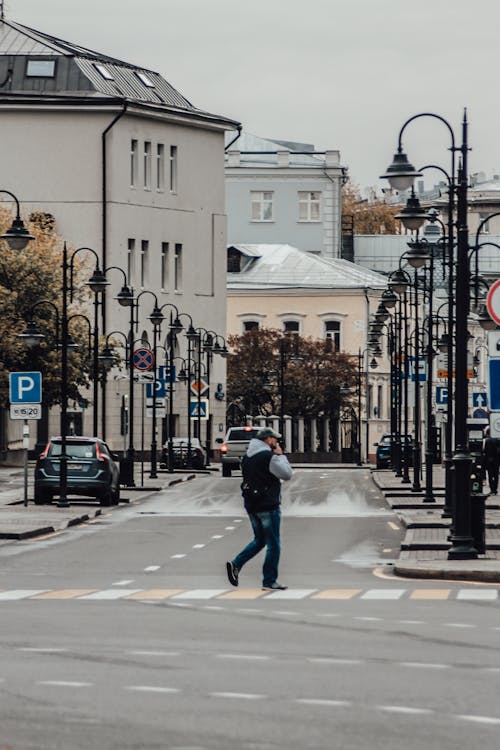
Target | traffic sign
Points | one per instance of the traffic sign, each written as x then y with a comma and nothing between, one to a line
167,373
199,386
161,412
160,389
441,395
495,425
493,302
160,402
198,410
143,358
479,399
25,411
25,387
421,369
144,377
494,384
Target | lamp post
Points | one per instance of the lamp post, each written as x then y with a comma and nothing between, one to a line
461,538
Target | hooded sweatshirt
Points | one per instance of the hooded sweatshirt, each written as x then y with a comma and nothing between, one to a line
262,471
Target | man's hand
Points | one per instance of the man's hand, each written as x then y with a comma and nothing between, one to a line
277,449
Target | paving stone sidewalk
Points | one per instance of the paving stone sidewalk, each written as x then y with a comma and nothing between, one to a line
18,522
424,550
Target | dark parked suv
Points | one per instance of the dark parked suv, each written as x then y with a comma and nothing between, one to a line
92,470
383,454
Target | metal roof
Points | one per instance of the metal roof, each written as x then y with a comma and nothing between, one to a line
77,72
284,266
249,142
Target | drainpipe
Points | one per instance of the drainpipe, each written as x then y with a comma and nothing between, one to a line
234,139
105,245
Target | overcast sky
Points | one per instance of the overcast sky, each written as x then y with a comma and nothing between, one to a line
342,74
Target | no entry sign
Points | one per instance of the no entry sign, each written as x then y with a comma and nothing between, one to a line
493,302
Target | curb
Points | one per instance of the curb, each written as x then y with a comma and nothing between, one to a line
41,531
445,573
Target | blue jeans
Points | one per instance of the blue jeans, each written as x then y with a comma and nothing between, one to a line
266,528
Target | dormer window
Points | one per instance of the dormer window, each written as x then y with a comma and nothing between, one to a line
104,72
233,261
41,68
143,78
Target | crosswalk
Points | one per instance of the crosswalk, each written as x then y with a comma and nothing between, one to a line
327,594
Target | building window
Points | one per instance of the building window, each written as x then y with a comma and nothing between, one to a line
130,261
332,333
144,262
486,226
134,162
178,268
104,72
160,167
143,78
173,169
291,326
164,266
250,325
262,205
309,206
41,68
147,165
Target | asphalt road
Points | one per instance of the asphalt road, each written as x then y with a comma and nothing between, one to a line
125,633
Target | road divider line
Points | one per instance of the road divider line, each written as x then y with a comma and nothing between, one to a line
152,568
151,689
242,696
323,702
64,683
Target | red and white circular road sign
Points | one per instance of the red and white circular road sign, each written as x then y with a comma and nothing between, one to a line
493,302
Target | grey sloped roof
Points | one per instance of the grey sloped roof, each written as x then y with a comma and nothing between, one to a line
284,266
249,142
76,72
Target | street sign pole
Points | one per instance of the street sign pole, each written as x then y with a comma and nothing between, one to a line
26,445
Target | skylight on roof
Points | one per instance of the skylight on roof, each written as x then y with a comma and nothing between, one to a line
104,72
41,68
145,80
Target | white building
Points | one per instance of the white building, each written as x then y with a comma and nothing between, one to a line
279,192
129,167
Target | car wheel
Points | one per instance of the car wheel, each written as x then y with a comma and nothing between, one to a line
106,499
42,497
226,470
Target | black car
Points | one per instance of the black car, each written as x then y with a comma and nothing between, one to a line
186,454
92,471
383,454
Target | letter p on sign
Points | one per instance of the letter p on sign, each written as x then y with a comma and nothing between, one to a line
25,387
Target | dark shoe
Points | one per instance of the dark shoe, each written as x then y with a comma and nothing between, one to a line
232,573
274,587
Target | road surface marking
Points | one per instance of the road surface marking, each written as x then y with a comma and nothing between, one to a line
42,650
151,689
412,622
151,568
64,594
200,594
289,594
393,525
369,619
477,594
229,528
430,594
19,594
248,611
243,594
177,557
109,594
244,696
198,546
322,702
423,665
218,536
337,594
244,657
63,683
123,583
213,607
155,594
383,594
457,625
478,719
237,520
405,710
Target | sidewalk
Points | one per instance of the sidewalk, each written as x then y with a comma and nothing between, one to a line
424,550
18,522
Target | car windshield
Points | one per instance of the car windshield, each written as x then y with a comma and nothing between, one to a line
74,450
240,433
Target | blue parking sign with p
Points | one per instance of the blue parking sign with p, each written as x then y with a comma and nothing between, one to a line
25,387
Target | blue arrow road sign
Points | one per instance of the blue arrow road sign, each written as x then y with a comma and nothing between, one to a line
494,384
479,399
25,387
441,395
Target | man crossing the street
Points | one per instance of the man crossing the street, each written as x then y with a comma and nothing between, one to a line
263,467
